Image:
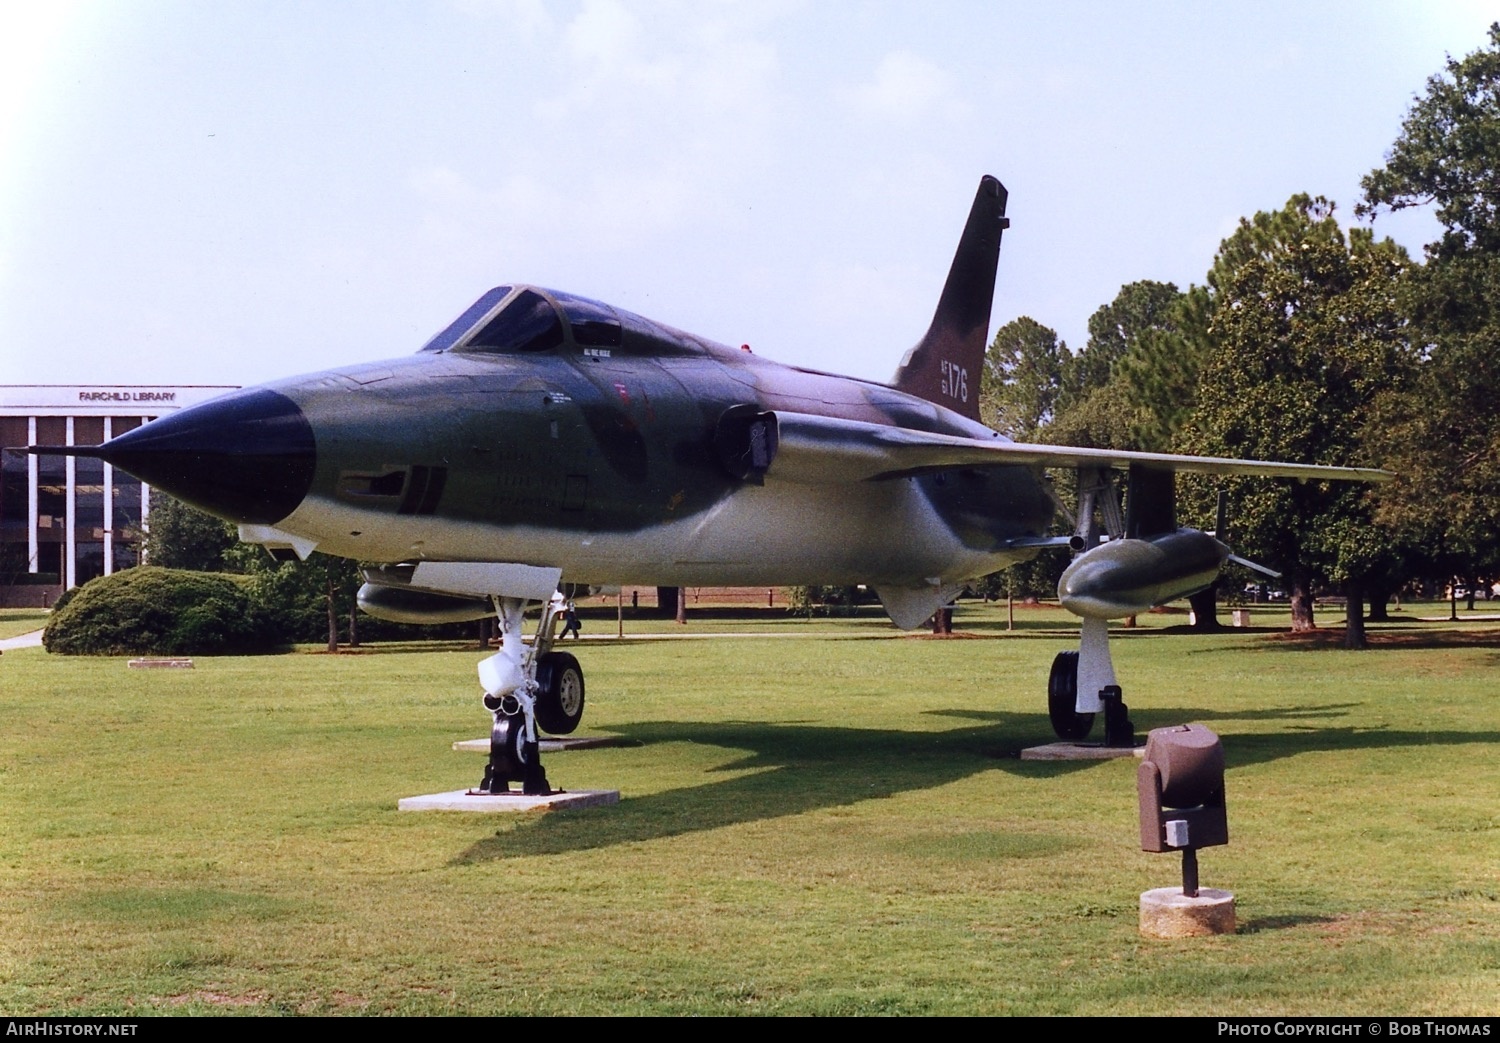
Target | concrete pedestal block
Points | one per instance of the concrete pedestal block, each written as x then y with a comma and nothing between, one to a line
1080,751
1167,913
468,800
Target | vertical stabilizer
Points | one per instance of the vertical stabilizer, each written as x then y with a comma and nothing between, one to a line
945,365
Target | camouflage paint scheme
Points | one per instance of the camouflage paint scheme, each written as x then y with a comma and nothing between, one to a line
607,468
547,430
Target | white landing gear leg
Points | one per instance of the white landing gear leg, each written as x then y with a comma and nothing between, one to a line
1097,688
1083,682
510,691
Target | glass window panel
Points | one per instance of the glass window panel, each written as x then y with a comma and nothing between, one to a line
90,560
593,324
127,555
450,334
88,430
527,324
127,508
12,431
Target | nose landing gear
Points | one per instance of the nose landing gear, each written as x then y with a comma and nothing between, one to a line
527,689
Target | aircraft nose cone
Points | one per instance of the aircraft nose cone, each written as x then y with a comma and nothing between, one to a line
247,456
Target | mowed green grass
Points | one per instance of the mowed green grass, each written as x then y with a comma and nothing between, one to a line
808,825
17,621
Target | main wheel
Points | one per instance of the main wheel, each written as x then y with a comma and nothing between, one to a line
1062,699
559,698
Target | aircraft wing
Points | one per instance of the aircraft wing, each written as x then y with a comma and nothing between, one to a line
824,449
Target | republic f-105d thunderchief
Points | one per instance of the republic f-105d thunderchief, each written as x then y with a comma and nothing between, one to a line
545,438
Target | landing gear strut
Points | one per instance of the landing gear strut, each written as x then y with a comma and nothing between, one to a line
525,688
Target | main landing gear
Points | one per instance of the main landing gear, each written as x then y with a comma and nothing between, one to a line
528,690
1082,683
1072,712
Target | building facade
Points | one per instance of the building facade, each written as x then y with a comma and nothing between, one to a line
64,519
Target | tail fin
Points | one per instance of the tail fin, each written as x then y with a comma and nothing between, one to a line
945,365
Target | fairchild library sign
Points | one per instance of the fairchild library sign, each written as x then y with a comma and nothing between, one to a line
103,399
128,395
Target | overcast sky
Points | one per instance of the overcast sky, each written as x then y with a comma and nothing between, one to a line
231,192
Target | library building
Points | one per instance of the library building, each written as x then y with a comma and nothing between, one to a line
63,519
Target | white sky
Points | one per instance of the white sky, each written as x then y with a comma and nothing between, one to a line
231,192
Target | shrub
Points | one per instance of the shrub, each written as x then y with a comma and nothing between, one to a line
156,611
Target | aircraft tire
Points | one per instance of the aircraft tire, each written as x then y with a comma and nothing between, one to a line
509,753
1062,697
559,700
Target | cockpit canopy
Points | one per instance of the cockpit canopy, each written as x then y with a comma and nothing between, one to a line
511,320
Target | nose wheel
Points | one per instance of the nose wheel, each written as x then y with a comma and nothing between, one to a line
513,758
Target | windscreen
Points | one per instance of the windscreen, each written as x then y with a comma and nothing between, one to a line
450,333
527,324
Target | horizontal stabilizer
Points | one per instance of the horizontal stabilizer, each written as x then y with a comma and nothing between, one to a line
821,449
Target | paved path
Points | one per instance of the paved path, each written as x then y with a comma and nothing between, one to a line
1467,618
31,640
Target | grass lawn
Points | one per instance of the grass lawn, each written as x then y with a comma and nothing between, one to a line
17,621
829,825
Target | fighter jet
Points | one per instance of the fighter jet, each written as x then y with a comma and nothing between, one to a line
543,438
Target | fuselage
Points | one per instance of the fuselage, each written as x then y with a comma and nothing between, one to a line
580,437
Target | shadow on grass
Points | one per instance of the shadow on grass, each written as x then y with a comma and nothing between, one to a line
795,768
792,769
1403,636
1176,715
1279,923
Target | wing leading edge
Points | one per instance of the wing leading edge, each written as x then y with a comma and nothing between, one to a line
824,449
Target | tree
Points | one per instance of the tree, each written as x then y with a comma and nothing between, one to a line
1022,377
1446,497
1448,153
1160,370
304,599
183,537
1114,329
1309,336
1130,386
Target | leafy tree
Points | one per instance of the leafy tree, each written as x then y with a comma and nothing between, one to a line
1159,372
1309,336
302,601
1113,330
305,600
1447,494
1022,377
1105,417
1130,387
1447,154
183,537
